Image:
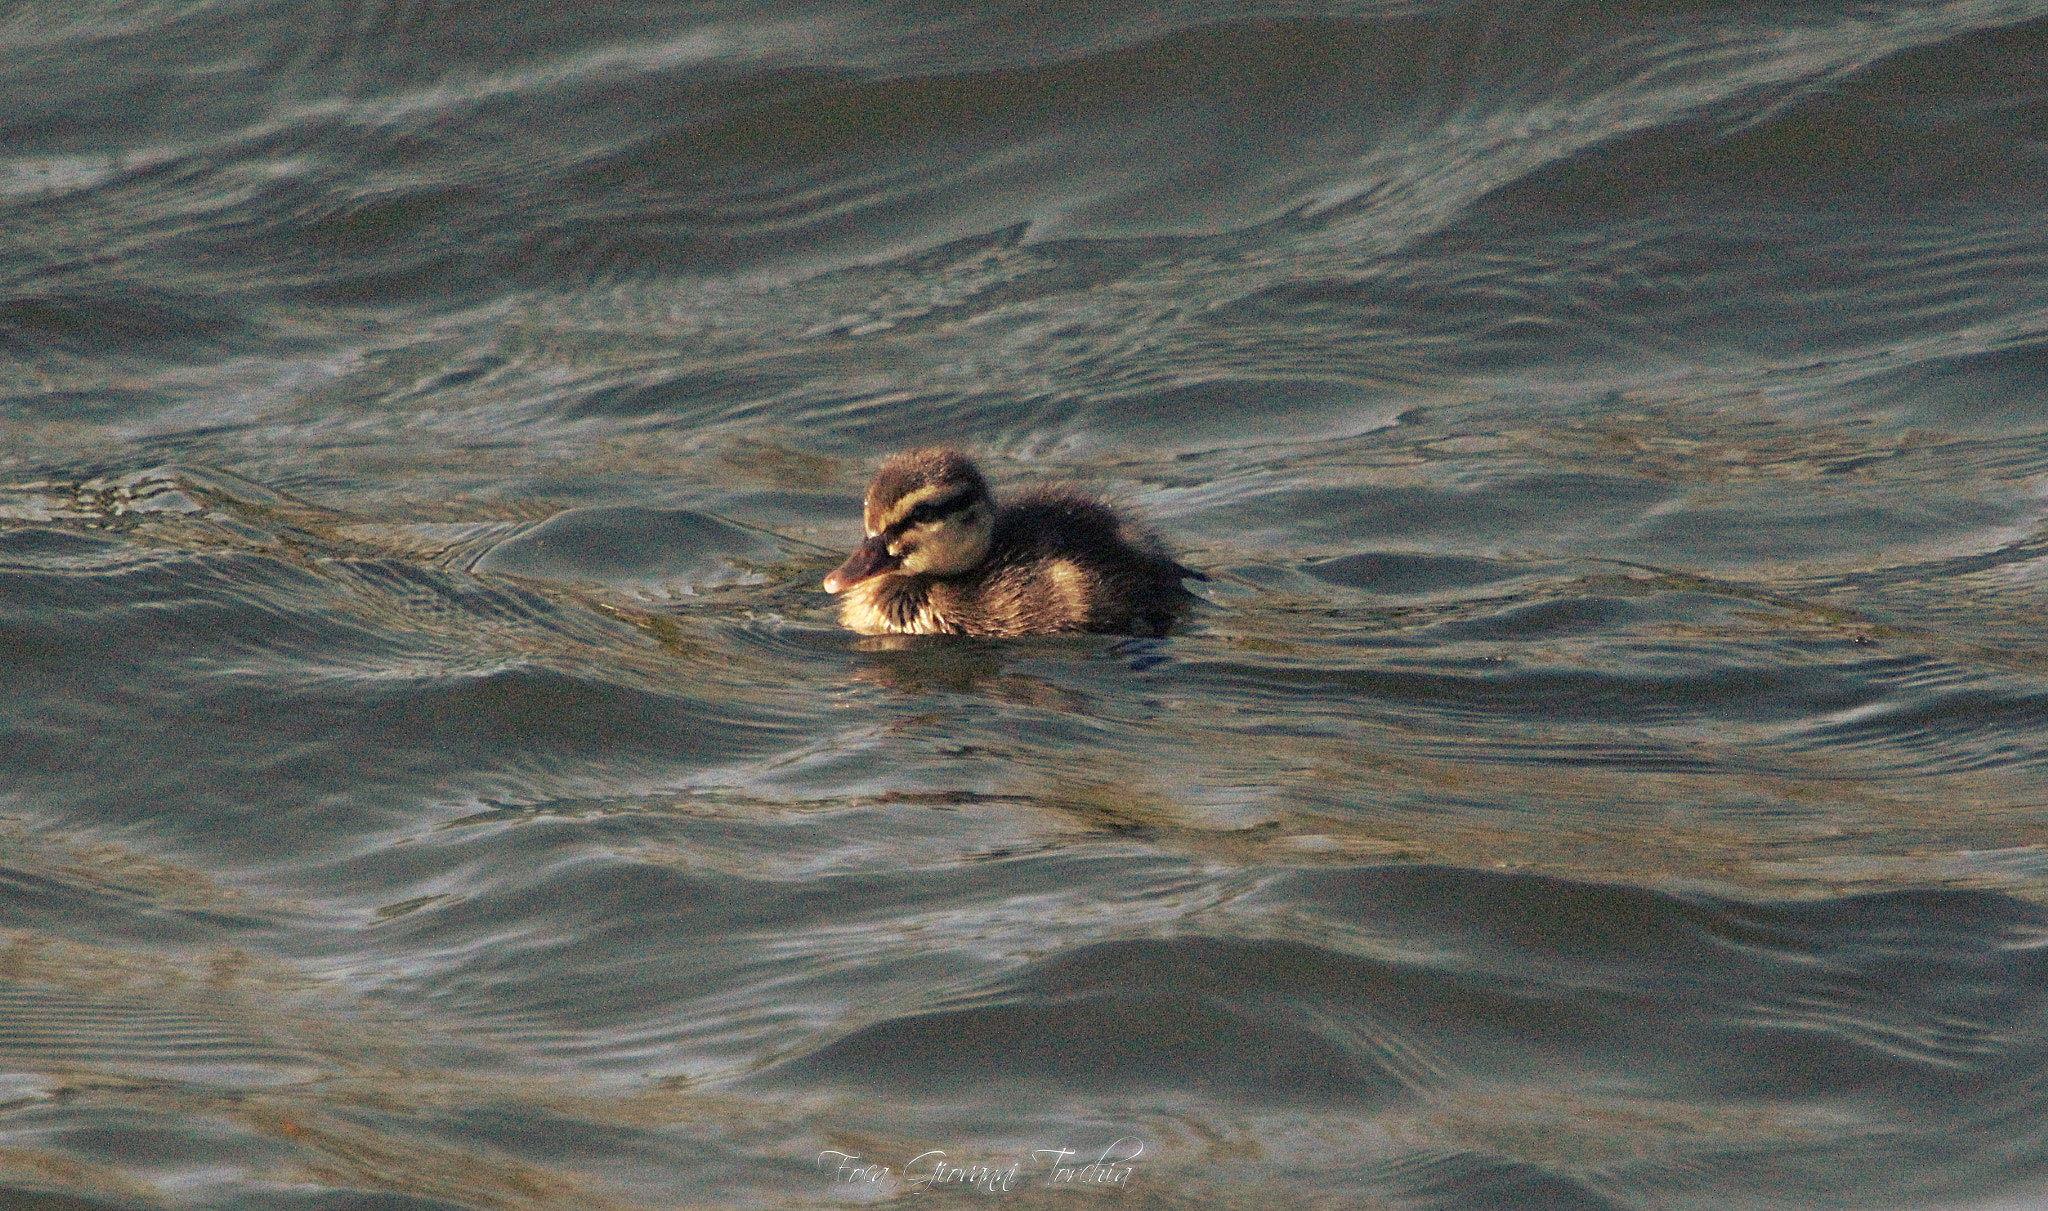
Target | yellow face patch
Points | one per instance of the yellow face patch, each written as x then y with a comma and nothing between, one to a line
949,544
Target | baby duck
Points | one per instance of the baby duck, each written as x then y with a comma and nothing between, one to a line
942,559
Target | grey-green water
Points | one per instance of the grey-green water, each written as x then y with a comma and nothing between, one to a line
1606,769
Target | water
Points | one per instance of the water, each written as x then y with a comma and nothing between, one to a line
1606,770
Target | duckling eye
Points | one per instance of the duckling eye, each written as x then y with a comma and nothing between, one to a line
932,510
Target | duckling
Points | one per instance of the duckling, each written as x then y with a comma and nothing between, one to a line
942,559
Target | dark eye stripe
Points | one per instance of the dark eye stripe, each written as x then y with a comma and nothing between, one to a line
932,510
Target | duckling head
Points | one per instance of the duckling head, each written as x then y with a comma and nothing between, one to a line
928,513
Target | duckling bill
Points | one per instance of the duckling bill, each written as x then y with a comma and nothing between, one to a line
941,558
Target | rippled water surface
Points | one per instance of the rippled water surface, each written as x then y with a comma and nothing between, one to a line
1606,769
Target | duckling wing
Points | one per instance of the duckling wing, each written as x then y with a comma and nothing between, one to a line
1073,557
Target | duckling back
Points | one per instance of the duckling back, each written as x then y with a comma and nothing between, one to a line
1060,561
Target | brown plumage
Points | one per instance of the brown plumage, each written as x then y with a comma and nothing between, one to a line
941,559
